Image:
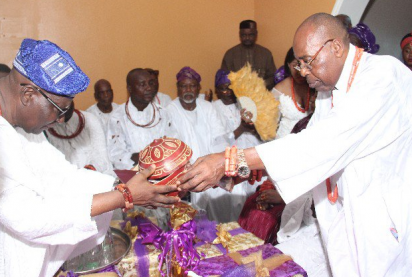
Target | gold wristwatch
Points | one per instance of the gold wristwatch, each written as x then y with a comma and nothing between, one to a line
243,170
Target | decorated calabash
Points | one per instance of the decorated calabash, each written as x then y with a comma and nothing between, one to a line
171,156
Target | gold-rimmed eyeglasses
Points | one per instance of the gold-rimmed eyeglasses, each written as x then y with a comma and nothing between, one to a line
307,65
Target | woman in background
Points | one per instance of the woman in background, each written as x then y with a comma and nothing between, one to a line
406,46
362,37
293,94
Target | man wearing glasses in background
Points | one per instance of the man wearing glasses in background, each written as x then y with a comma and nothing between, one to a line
355,156
259,57
49,209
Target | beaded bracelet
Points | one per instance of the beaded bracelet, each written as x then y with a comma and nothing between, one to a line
231,161
127,195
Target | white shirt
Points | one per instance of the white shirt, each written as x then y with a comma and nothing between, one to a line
365,143
103,117
45,205
89,147
124,138
202,130
162,99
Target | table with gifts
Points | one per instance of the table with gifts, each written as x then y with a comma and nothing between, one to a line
195,246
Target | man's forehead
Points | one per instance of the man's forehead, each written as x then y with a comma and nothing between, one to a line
188,80
305,43
103,85
248,30
141,75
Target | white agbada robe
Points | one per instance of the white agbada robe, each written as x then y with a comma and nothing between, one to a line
45,205
124,138
299,234
103,117
365,143
203,131
89,147
231,119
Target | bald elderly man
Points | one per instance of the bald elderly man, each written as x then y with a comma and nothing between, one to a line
355,156
49,209
103,93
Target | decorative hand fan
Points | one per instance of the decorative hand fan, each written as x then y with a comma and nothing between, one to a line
253,96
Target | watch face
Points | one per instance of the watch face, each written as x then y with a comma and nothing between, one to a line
243,171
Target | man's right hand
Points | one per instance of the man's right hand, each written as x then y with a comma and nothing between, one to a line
205,173
148,195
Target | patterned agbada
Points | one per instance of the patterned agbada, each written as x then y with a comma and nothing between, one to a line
258,56
365,144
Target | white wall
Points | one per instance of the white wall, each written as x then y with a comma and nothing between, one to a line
389,20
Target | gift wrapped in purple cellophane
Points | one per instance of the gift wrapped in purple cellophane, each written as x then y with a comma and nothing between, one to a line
222,264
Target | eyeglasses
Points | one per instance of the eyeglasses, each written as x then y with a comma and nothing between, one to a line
62,112
307,65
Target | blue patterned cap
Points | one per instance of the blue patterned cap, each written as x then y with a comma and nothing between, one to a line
49,67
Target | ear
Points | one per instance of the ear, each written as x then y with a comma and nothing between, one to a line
129,90
338,48
27,96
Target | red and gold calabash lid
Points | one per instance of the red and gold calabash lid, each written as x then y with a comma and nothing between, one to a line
168,154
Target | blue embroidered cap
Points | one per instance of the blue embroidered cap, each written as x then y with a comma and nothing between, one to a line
50,67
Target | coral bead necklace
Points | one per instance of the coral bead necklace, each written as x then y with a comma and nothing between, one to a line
80,127
294,99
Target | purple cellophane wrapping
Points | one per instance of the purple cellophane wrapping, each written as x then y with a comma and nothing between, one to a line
224,264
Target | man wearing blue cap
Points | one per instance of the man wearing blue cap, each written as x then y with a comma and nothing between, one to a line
47,205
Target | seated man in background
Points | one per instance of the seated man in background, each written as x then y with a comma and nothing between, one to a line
50,210
103,93
259,57
82,141
136,123
199,126
4,70
161,98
